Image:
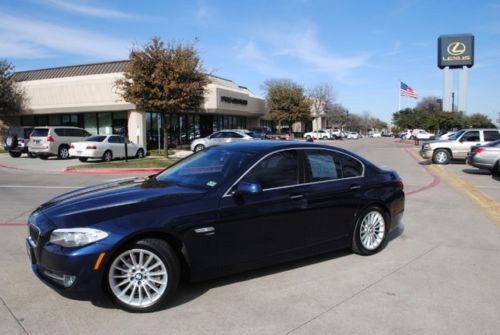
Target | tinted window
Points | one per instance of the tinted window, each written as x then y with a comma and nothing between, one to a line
217,135
115,139
95,139
471,136
321,165
231,134
60,132
351,167
40,132
279,169
491,135
20,132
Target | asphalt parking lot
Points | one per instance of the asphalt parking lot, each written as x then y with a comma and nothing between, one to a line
439,273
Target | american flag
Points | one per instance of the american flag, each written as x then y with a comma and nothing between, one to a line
407,91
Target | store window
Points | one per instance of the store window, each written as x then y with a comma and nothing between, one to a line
90,123
104,123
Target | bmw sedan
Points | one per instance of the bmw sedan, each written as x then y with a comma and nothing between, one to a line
105,147
222,210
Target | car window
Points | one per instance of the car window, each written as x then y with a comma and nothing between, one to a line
217,135
456,135
321,165
350,166
114,139
60,131
40,132
231,134
95,139
278,170
491,135
471,136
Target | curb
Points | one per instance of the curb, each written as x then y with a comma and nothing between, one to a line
114,171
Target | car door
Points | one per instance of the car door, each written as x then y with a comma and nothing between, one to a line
333,182
263,227
116,147
231,136
215,139
468,139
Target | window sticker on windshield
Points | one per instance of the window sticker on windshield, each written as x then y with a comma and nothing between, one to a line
211,183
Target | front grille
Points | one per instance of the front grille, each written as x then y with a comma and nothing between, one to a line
34,233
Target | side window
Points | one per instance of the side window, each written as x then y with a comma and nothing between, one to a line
491,135
60,132
279,169
73,132
233,135
350,167
471,136
321,165
113,139
216,135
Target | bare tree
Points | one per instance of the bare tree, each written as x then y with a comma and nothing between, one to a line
322,97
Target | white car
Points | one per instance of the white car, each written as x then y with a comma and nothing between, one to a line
374,135
105,147
222,137
446,136
352,135
322,134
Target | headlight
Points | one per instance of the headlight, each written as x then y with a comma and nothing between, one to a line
426,146
76,237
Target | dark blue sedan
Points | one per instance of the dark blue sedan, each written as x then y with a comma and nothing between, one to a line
222,210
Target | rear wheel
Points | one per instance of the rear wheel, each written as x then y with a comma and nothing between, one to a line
140,153
308,137
107,156
63,152
144,276
15,154
199,147
82,159
370,232
325,137
441,156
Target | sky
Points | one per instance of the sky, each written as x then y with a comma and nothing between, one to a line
363,49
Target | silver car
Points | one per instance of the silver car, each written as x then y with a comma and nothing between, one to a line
221,137
486,157
55,141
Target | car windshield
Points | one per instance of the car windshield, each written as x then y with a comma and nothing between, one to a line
456,135
206,169
95,139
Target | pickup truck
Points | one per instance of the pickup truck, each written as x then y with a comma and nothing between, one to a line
458,145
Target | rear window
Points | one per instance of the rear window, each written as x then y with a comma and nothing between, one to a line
95,139
40,132
491,135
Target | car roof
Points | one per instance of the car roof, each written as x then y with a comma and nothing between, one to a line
262,146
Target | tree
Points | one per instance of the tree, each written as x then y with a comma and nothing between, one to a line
322,98
337,114
286,102
12,98
480,121
164,77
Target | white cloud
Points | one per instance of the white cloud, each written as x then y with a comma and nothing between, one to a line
70,6
273,47
28,38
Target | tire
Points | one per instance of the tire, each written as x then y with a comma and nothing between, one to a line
107,156
441,156
143,276
82,159
370,232
496,169
32,155
11,142
325,137
63,152
15,154
308,137
139,154
199,147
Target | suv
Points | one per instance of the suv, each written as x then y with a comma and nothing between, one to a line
457,145
55,141
17,141
324,134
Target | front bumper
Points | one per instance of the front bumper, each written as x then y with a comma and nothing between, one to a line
426,154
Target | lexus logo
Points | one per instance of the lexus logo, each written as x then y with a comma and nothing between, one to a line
456,48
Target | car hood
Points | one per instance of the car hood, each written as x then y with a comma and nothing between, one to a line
114,199
438,141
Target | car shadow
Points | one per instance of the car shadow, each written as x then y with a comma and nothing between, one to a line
188,291
477,171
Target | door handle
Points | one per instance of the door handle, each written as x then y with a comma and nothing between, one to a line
354,187
204,230
296,197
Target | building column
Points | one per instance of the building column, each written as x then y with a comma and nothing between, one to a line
137,127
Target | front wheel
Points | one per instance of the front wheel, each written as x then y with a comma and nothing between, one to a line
325,137
199,147
144,276
370,232
441,156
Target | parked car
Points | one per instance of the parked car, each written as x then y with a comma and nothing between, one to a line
260,132
222,137
485,157
352,135
374,134
16,142
55,141
105,147
445,136
323,134
457,146
420,134
222,210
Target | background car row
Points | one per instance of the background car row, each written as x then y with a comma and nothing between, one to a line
65,142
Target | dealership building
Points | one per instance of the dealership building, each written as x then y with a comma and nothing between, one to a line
86,96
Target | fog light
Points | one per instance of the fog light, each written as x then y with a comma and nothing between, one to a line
61,279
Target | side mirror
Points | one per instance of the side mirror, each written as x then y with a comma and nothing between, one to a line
249,188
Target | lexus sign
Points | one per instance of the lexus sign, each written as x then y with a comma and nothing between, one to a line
455,51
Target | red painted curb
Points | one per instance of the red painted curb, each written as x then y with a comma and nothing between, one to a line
435,179
113,171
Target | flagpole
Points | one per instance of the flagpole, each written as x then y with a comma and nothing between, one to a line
399,96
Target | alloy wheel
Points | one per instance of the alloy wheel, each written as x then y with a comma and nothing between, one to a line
372,230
